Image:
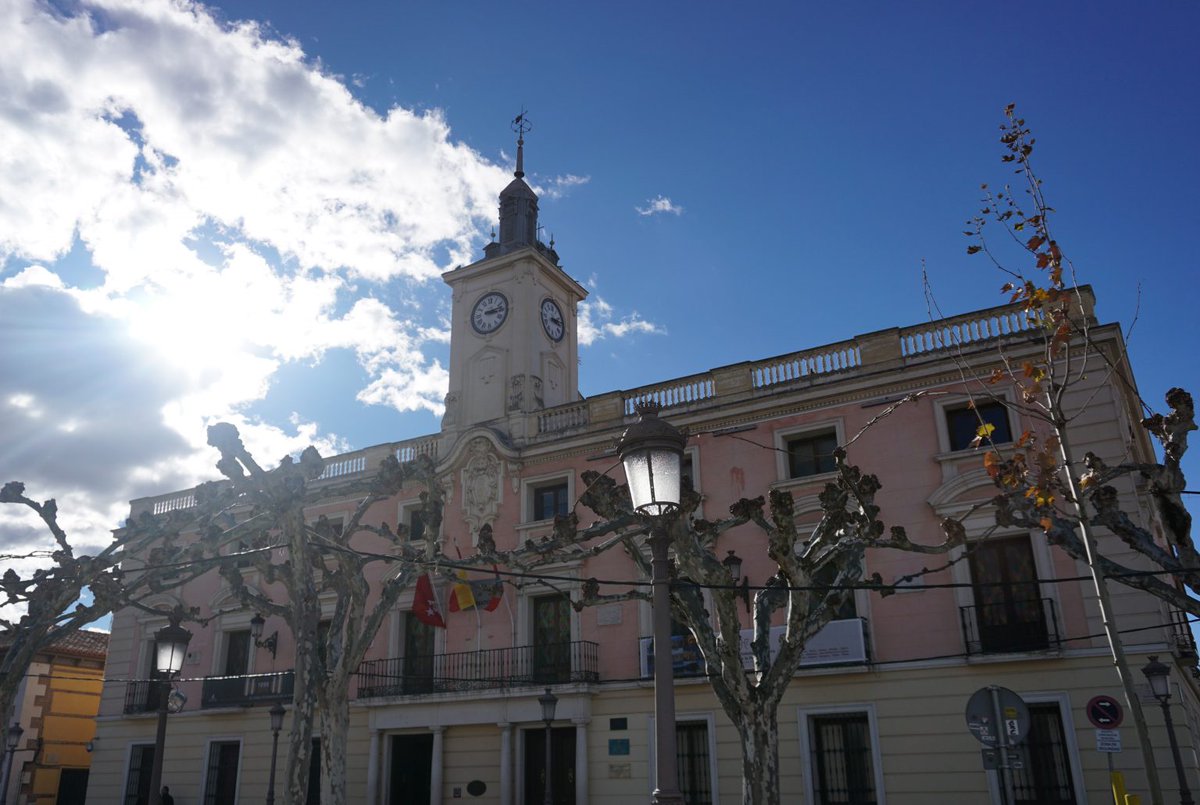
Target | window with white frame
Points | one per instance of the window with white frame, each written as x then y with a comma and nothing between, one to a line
966,421
1045,776
842,758
807,451
221,775
412,517
693,762
137,777
547,497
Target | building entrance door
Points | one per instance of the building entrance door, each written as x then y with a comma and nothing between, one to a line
411,769
562,761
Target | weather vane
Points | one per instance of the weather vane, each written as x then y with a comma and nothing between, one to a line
521,124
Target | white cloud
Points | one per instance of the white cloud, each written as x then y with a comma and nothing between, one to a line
659,204
596,321
241,211
558,186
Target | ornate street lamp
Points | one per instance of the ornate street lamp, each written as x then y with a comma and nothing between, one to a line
548,701
652,452
170,648
271,644
1157,674
276,713
12,739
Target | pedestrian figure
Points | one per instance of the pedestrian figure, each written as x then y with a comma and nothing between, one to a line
166,798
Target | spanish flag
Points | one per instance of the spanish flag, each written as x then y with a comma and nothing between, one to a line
467,594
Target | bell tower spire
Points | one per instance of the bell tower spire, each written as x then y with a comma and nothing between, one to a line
518,202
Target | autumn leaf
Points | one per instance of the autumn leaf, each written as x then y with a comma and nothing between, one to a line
974,249
985,430
991,463
1046,523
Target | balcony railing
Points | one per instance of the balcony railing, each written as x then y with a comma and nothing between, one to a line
552,664
246,691
1013,625
142,697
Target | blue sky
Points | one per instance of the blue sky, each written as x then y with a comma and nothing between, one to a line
240,210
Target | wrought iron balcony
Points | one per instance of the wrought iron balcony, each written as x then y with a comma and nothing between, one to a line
246,691
1012,625
142,697
552,664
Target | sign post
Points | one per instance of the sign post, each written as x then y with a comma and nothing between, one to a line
999,718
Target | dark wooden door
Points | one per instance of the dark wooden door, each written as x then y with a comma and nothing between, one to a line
411,770
1008,607
562,763
418,656
552,639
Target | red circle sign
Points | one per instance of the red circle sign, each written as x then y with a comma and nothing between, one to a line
1104,712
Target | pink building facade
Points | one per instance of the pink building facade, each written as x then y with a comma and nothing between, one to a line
877,712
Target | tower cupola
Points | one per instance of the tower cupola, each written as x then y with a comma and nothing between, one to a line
518,204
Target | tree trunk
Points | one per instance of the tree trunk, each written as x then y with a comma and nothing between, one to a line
335,731
759,729
304,710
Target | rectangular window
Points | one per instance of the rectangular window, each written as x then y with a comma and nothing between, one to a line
963,423
687,473
695,770
811,453
416,525
843,768
550,500
220,781
1046,773
237,652
137,779
1009,612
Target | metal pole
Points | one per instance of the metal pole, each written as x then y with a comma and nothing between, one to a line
666,778
8,759
1006,786
160,741
548,799
1185,795
274,757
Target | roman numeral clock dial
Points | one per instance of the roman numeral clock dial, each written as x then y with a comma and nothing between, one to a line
552,320
489,313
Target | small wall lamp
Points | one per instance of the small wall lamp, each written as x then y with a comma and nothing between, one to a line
271,644
733,563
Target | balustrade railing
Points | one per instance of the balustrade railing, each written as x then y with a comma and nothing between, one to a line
174,503
247,690
683,391
797,365
1013,625
563,417
142,697
348,466
427,446
551,664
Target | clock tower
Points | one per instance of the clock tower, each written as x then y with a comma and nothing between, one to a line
514,346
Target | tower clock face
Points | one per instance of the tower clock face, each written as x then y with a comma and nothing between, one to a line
489,312
552,320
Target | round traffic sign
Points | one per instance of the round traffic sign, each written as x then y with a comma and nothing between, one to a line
981,716
1104,712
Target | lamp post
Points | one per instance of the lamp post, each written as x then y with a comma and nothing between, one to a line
170,647
652,452
548,701
276,712
1160,685
12,739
